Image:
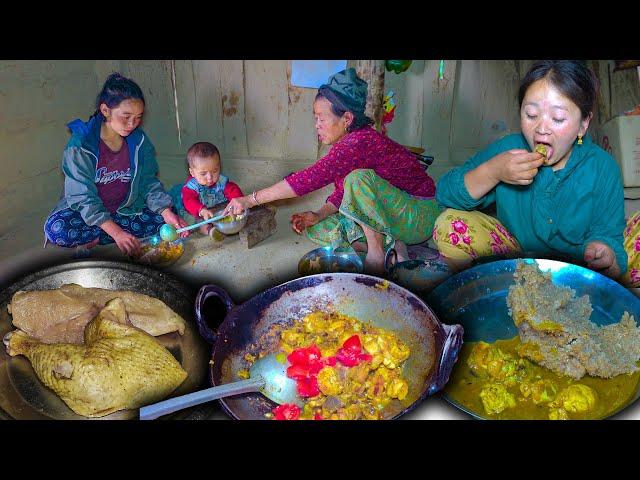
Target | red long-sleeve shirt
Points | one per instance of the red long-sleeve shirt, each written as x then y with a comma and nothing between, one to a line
191,200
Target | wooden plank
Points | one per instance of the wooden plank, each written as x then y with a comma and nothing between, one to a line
187,105
232,95
104,68
437,105
373,72
301,136
154,78
266,107
208,102
486,106
408,88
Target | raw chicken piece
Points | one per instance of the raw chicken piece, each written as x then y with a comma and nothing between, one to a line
119,366
60,315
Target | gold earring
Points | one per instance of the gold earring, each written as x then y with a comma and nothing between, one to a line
579,139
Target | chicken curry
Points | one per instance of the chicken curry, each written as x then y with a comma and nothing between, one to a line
496,381
345,369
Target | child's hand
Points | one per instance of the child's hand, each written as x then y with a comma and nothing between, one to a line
206,214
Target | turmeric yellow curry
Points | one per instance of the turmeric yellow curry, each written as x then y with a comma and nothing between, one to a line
346,369
496,381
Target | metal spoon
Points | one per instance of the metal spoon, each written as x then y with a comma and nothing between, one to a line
268,375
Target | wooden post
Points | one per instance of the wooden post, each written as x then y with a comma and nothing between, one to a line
372,72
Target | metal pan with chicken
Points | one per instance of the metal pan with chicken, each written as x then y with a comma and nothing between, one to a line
560,366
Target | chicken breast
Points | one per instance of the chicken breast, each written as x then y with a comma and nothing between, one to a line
61,315
119,366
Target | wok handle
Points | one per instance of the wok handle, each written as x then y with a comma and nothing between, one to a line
196,398
205,293
450,350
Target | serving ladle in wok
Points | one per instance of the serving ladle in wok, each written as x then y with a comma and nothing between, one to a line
267,375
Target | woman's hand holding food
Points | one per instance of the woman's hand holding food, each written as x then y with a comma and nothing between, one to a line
601,258
301,221
516,167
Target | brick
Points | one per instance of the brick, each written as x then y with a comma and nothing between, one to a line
260,225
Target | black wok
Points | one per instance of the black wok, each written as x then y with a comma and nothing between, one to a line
245,329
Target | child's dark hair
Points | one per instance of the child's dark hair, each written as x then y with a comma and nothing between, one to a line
115,90
201,150
572,77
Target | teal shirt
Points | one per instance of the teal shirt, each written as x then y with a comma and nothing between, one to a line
560,212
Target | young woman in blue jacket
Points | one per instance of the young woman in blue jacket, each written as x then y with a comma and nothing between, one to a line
111,190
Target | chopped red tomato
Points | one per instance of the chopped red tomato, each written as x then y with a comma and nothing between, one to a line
317,416
353,343
286,411
351,353
308,387
307,362
305,356
298,372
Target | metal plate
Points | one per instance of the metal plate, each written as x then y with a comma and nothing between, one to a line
330,260
476,299
23,396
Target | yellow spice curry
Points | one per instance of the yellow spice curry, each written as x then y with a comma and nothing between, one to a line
495,381
373,389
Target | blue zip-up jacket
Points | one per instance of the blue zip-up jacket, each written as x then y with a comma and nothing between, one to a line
79,163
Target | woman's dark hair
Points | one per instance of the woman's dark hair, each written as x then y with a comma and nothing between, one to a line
572,77
359,119
115,90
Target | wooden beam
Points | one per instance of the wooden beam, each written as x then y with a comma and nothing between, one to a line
372,72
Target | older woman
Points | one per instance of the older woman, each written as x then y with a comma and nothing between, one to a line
382,193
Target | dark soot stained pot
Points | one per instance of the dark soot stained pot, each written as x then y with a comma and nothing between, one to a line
243,329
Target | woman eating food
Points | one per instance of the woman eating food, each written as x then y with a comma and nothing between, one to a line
555,191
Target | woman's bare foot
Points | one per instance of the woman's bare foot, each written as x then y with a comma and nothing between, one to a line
359,246
374,263
401,251
89,245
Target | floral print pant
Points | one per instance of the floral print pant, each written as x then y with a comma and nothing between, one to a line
632,247
464,235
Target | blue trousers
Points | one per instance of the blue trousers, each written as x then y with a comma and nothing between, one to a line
66,228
